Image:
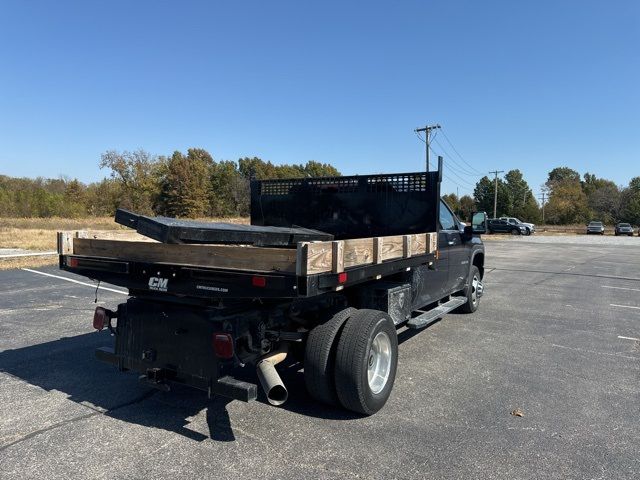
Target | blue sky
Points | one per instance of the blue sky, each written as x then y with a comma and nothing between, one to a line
528,85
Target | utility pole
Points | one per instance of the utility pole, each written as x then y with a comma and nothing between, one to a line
543,195
427,133
495,192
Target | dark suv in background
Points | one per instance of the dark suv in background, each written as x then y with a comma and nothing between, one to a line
498,225
531,228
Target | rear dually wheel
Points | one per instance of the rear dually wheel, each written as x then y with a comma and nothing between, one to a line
366,361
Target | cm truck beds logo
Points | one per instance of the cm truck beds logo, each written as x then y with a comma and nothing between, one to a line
159,284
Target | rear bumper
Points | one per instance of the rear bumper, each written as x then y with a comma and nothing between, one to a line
168,343
226,386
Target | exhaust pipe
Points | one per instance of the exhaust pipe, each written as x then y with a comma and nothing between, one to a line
269,379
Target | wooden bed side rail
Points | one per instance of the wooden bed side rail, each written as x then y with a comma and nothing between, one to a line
65,239
335,256
308,258
200,255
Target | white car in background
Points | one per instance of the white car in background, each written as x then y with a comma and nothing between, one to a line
531,228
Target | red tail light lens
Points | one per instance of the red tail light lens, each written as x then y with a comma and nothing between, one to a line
100,318
259,281
342,277
223,345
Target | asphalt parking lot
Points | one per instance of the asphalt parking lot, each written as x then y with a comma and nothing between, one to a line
556,336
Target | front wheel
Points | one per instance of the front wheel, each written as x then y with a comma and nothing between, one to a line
528,231
366,361
473,291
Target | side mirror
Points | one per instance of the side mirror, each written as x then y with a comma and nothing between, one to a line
467,233
479,223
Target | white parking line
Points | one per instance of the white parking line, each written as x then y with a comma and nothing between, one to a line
75,281
622,288
629,338
624,306
37,254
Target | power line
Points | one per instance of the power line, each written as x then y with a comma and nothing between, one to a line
458,153
462,180
460,167
469,184
466,186
464,190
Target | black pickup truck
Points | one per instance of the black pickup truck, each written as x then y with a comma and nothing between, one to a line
199,311
502,225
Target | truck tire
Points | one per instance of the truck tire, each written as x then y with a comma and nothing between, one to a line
471,292
516,231
320,355
366,361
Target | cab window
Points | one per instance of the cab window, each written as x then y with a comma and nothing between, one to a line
447,220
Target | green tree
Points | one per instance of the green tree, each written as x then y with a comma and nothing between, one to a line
483,195
467,207
139,175
103,197
523,204
567,204
256,168
185,187
630,201
561,175
603,198
317,169
229,194
74,199
452,200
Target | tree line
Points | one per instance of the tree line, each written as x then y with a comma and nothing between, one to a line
193,185
189,185
568,198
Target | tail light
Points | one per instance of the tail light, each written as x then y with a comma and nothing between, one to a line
223,345
102,317
259,281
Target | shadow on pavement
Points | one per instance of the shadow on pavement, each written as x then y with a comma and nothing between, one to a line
68,365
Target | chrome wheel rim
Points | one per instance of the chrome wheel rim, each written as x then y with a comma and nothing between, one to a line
379,362
476,289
